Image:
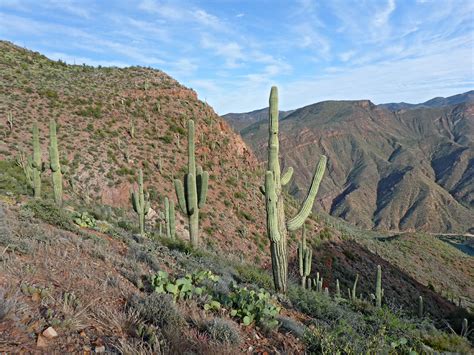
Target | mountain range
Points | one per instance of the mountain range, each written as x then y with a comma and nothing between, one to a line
393,166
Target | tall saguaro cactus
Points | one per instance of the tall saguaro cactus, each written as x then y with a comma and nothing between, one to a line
378,287
305,255
170,218
193,192
54,164
277,225
141,205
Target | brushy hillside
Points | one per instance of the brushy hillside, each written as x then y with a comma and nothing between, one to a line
79,278
96,108
404,170
100,292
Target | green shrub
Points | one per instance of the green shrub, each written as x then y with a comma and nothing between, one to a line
251,274
184,287
49,212
12,178
252,306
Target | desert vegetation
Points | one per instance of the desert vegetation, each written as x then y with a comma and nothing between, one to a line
78,274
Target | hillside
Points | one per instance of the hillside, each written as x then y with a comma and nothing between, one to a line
79,277
404,170
95,109
239,121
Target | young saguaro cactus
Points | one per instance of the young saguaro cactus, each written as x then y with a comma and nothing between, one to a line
193,192
305,255
354,288
170,218
32,165
36,164
140,203
277,225
378,287
54,164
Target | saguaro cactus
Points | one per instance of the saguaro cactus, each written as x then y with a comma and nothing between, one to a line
378,287
170,218
354,288
338,289
305,256
193,192
54,164
277,225
420,306
140,203
32,165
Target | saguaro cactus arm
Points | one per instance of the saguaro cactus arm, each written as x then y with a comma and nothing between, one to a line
179,189
285,179
298,220
202,181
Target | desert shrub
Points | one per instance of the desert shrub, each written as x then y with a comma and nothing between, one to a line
159,310
447,342
181,246
12,178
141,253
251,274
223,331
9,303
49,212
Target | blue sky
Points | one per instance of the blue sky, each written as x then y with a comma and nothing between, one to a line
232,51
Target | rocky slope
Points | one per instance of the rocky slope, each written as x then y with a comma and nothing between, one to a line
404,170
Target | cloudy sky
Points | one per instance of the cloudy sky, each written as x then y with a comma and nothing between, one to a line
232,51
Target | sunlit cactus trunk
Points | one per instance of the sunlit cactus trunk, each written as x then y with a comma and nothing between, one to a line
140,203
55,166
305,255
277,225
192,192
170,218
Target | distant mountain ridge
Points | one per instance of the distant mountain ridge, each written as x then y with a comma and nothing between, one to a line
435,102
405,169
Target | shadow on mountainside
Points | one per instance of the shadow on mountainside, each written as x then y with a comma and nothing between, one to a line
343,260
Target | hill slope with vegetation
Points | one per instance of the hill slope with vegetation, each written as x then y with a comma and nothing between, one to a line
79,277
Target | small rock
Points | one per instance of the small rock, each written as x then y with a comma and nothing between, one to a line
100,349
42,342
50,333
86,348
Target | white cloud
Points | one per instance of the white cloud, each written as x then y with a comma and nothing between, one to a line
381,18
345,56
232,52
165,10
